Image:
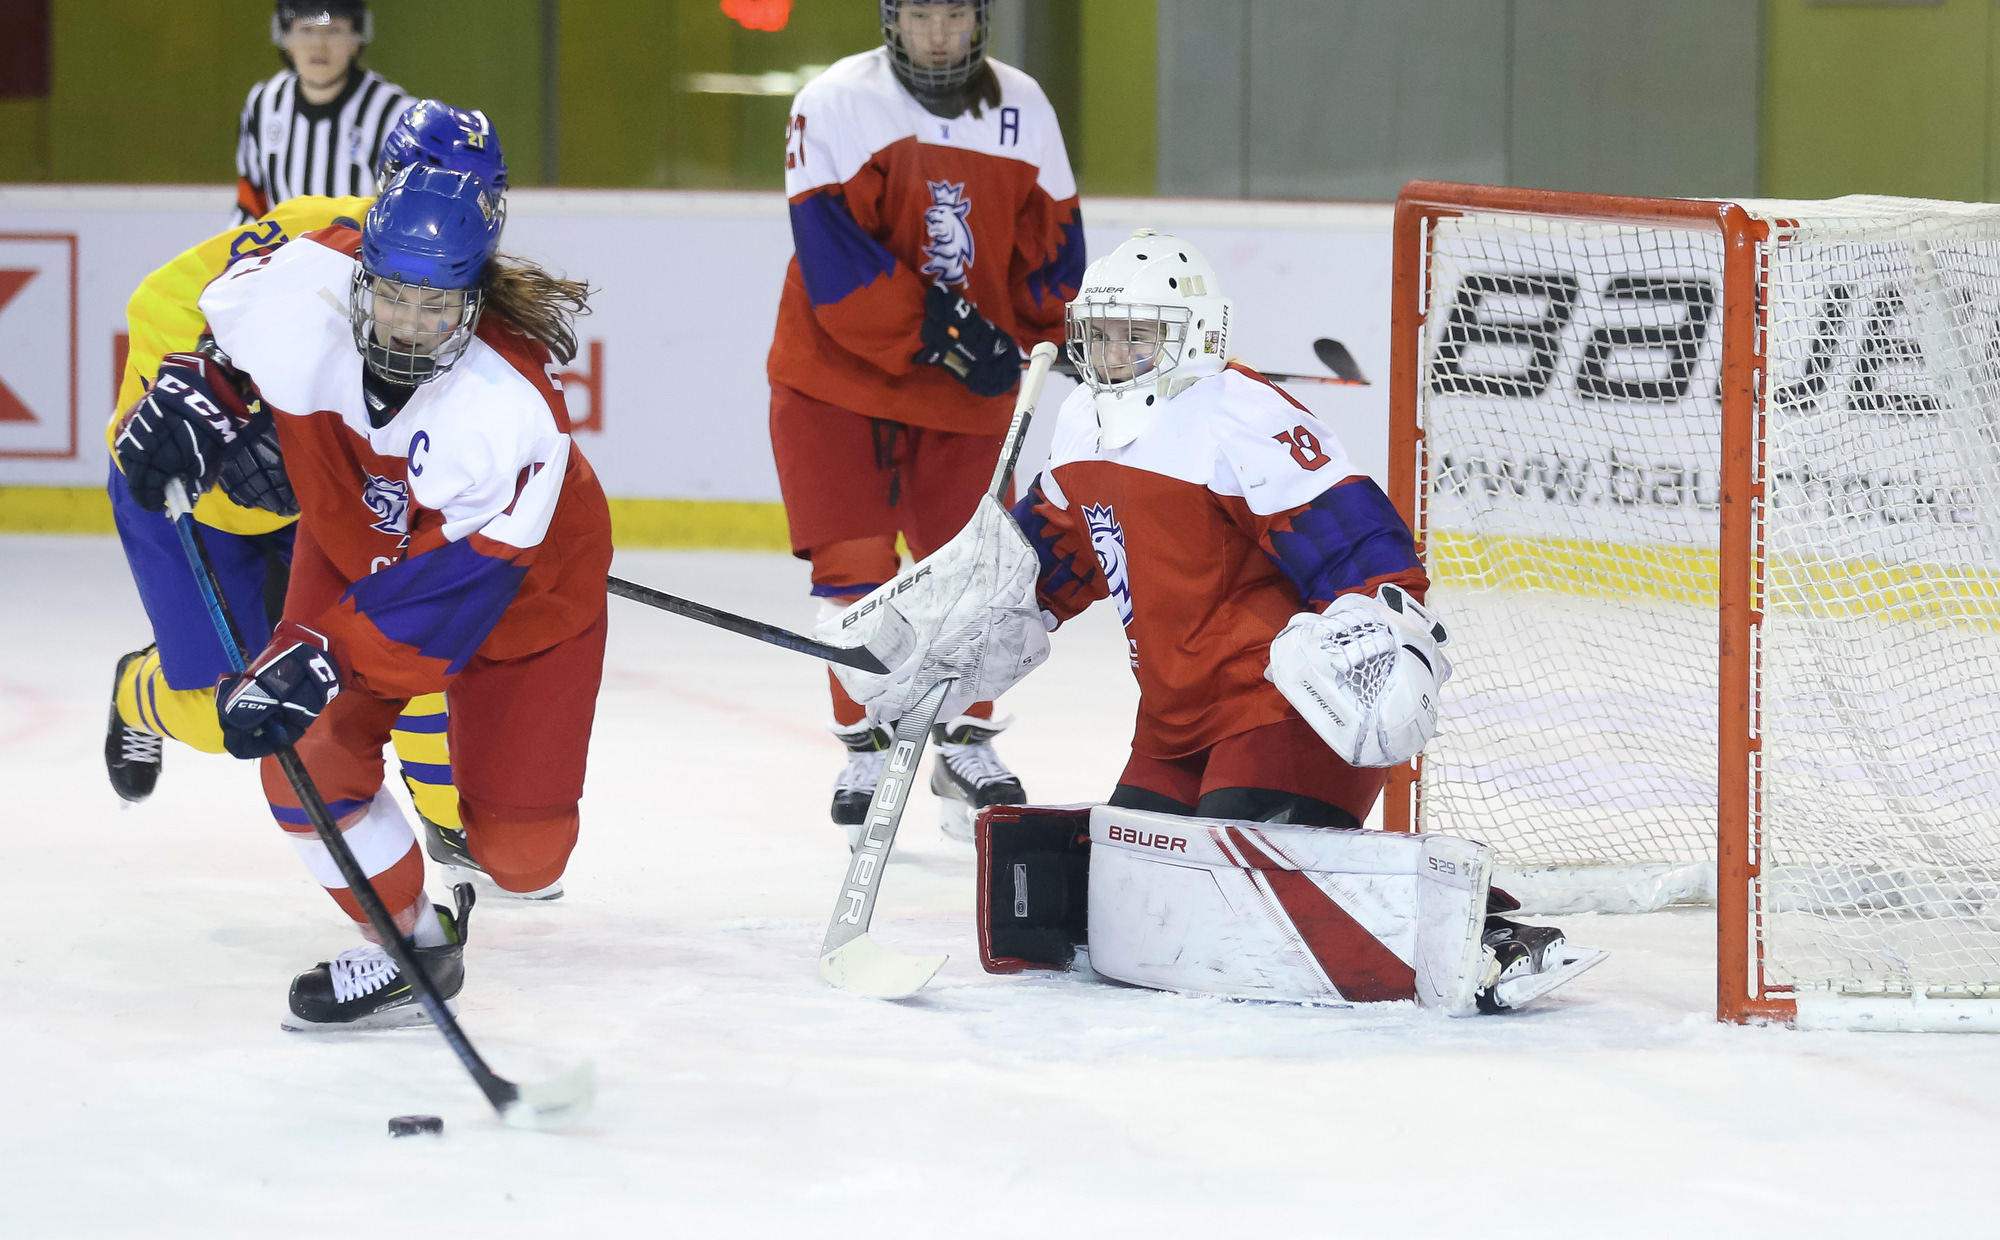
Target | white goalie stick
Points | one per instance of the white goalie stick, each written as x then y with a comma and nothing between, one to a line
849,957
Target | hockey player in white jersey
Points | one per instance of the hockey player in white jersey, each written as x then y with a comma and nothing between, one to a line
1272,600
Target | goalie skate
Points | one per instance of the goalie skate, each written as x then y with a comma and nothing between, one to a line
1526,962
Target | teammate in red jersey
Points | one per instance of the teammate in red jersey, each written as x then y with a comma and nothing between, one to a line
451,537
937,235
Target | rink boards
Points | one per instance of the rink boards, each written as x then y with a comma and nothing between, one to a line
668,390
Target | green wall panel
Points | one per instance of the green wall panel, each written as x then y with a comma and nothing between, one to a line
1877,98
1117,105
151,92
483,54
629,117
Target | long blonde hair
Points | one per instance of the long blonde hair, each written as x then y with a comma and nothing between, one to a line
542,305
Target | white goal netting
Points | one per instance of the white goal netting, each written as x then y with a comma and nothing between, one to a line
1570,402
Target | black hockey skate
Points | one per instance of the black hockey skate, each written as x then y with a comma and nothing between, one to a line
968,776
1518,953
362,988
448,849
132,756
867,750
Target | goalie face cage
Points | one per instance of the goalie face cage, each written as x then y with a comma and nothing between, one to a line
1710,496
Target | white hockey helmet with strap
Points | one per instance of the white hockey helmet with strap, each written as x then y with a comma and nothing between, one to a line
1149,322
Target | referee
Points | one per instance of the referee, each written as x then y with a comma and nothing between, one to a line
316,127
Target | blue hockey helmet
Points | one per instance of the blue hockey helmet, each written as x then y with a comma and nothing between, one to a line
416,296
435,133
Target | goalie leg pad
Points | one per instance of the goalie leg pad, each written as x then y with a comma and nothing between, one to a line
1266,911
1033,871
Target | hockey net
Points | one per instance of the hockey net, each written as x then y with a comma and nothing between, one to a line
1710,496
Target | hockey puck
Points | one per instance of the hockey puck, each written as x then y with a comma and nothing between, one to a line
416,1126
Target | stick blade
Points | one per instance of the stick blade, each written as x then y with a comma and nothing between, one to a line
865,967
551,1104
1334,356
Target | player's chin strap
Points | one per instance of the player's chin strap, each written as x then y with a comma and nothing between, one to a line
524,1106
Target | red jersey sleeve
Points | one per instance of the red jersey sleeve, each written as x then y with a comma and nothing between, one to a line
1068,579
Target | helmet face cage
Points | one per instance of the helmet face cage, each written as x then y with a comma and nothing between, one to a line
409,334
926,80
1117,345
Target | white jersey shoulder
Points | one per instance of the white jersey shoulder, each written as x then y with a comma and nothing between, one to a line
467,435
1229,433
843,117
282,318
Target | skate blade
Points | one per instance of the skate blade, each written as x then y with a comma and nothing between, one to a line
1575,962
549,1104
864,967
483,882
403,1016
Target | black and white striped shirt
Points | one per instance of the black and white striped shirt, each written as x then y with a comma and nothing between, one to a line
286,147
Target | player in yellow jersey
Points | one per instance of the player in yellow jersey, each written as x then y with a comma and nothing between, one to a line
247,510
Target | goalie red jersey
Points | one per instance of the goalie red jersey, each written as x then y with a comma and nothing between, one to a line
889,199
1234,511
467,524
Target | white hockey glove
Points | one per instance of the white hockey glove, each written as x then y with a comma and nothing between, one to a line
1365,674
967,611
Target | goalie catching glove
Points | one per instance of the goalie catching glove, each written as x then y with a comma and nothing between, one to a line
272,704
1365,674
968,611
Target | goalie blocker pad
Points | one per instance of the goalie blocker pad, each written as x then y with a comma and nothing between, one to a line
1237,909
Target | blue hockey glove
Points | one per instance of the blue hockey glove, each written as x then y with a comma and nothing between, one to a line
180,429
963,341
273,703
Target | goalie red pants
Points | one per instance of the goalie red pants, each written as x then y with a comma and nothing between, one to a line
1240,775
519,731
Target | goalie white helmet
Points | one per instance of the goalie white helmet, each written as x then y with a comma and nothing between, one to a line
1149,322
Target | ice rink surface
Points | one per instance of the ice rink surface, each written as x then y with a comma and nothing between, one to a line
146,1089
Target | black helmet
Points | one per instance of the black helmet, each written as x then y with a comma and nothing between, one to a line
935,85
355,11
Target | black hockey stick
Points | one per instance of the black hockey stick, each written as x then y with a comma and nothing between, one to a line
859,657
1335,357
524,1106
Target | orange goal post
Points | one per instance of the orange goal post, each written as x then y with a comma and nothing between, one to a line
1709,493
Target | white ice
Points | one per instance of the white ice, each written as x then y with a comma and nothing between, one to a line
146,1089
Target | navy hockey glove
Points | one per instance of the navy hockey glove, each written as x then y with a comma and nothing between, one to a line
273,703
180,429
253,470
963,341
